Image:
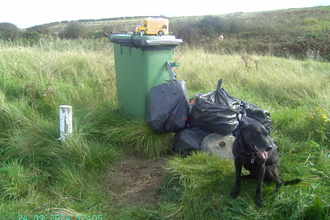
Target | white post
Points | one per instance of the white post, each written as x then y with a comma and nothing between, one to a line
65,121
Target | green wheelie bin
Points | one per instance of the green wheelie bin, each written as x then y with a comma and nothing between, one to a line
140,64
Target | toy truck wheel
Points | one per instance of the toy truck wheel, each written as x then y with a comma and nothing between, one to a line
160,33
143,33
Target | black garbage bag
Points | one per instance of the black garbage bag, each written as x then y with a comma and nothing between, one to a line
168,106
188,139
251,113
216,111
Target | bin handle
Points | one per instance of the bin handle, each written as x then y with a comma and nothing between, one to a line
133,42
170,70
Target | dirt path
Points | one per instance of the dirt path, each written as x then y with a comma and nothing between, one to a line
135,180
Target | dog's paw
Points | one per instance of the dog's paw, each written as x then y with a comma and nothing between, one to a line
259,202
234,194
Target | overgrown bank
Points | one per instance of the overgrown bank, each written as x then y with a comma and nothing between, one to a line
301,33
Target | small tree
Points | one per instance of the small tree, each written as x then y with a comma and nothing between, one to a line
41,29
9,31
186,30
74,30
213,25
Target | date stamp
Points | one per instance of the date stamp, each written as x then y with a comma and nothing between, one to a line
59,217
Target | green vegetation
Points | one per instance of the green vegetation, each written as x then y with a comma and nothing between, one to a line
301,33
40,175
292,32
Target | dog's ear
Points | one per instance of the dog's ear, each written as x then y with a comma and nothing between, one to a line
236,131
243,125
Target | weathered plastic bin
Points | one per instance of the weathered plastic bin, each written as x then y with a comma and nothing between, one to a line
140,63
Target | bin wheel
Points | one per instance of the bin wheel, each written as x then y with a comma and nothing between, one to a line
143,33
160,33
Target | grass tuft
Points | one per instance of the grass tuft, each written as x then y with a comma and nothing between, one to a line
134,133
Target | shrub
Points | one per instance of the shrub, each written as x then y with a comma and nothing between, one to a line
317,126
212,21
41,29
74,30
9,31
187,31
310,21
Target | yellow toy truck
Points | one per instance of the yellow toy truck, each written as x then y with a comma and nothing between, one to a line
153,26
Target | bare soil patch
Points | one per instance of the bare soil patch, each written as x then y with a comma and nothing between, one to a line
135,181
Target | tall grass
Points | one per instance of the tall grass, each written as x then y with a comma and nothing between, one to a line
283,82
41,175
295,93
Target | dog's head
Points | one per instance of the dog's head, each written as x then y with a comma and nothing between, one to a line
257,138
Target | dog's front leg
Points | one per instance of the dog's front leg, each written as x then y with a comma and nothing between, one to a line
237,187
260,180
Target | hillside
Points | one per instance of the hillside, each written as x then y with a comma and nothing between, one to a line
94,28
294,32
302,33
